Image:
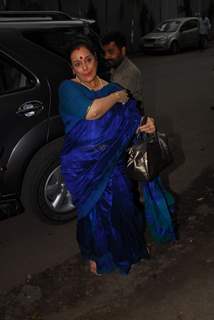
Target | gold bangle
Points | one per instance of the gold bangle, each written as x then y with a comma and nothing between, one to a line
88,109
117,96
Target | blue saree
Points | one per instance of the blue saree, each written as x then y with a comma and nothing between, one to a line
110,227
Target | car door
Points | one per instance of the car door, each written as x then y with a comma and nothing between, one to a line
189,34
24,104
185,34
194,32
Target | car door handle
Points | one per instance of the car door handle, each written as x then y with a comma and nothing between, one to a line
30,108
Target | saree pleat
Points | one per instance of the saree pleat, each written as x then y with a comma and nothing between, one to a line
114,228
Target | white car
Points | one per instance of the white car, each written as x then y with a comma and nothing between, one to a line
173,35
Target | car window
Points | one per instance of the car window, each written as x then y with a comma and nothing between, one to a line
12,78
193,24
168,26
189,25
184,27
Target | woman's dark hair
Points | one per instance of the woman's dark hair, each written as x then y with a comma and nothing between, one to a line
80,41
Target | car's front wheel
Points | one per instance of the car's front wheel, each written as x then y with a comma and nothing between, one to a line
44,192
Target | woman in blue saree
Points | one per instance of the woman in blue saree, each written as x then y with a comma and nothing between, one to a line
100,123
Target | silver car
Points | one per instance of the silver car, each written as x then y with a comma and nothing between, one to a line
173,35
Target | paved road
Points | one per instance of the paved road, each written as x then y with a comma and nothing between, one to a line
176,284
28,246
179,93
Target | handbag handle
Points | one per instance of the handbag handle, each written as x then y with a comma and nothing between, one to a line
142,135
143,120
148,137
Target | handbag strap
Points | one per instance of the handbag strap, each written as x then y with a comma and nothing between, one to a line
143,136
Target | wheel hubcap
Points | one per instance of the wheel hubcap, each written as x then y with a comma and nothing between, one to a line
56,195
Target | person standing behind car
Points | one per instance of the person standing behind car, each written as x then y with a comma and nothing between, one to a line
204,28
123,70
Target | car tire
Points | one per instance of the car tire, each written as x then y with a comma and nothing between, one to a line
43,190
174,48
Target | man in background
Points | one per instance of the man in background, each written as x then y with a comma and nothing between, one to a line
204,29
123,70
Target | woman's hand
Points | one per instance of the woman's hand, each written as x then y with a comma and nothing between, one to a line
121,96
148,127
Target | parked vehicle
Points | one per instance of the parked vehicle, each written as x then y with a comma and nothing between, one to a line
173,35
32,64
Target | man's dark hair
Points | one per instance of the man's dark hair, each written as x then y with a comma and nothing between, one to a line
116,37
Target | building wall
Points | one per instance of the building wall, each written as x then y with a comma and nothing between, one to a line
31,4
132,17
126,15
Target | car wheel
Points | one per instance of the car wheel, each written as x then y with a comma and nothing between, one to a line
43,191
174,47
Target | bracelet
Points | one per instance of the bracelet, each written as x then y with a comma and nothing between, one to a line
88,109
116,94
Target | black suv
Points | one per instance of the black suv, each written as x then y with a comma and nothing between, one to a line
32,64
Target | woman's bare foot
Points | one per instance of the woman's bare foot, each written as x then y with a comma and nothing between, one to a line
93,267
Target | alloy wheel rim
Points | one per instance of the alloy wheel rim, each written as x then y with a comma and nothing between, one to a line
56,194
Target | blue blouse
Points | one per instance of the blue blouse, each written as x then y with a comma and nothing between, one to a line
75,98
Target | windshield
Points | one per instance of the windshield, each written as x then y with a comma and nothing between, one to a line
168,26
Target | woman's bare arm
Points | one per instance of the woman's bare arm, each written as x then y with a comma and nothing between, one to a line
101,105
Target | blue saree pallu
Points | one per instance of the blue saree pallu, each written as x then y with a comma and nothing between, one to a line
109,227
159,206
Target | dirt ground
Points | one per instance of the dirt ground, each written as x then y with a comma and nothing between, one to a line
174,284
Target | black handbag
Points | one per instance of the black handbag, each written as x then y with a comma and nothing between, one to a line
148,156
